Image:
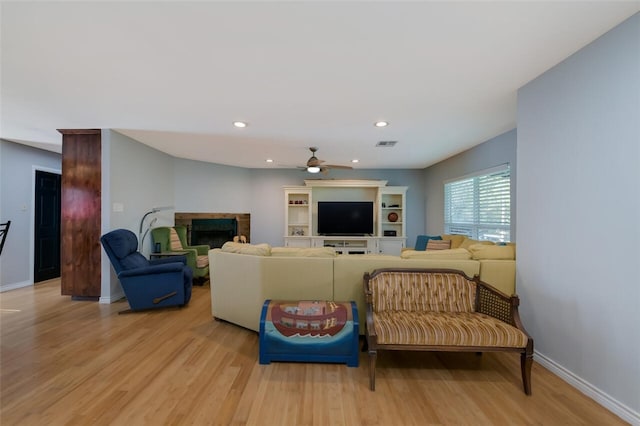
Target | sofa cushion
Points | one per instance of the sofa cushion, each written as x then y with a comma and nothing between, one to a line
438,245
303,251
420,292
458,254
455,239
446,329
469,242
483,251
422,240
263,249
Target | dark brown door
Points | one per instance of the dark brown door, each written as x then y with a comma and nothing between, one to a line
47,226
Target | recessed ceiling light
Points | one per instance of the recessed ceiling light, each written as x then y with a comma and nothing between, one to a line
240,124
355,160
381,124
269,160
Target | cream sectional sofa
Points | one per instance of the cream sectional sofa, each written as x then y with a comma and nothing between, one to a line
243,276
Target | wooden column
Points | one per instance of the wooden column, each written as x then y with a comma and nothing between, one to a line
81,213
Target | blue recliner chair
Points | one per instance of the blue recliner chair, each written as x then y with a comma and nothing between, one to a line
148,284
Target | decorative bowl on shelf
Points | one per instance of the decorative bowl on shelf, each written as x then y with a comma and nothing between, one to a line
393,217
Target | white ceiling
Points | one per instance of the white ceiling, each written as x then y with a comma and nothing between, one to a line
175,75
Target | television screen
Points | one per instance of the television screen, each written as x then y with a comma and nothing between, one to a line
345,217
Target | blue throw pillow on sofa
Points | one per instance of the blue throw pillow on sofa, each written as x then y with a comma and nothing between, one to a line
422,240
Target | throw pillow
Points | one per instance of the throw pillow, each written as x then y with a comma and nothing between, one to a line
263,249
439,245
422,240
174,240
456,239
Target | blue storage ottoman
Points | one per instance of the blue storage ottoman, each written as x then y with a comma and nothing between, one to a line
309,331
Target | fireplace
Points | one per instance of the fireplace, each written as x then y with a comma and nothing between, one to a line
213,232
214,229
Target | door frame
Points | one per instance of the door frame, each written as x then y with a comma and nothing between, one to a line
32,220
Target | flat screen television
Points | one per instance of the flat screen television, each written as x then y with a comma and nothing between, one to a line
345,218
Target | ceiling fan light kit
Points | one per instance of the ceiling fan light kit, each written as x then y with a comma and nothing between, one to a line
314,165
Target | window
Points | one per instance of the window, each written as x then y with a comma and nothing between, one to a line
479,206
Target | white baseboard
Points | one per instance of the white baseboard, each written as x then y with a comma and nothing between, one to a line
7,287
616,407
111,299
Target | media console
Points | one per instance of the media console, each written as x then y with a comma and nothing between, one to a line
389,215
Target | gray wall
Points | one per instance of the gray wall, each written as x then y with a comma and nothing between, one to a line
18,164
578,217
494,152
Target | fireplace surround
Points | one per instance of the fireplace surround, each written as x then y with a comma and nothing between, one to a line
214,229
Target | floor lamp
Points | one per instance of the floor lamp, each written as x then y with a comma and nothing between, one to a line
142,236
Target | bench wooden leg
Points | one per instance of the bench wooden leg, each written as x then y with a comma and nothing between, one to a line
526,360
372,369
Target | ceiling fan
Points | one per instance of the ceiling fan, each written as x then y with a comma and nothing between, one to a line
314,165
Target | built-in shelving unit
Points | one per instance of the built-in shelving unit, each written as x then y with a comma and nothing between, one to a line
389,215
298,216
392,219
348,245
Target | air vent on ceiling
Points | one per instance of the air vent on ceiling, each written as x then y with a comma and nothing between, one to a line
386,144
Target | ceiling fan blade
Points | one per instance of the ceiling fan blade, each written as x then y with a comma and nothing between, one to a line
334,166
313,161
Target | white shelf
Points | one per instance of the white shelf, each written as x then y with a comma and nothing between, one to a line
297,216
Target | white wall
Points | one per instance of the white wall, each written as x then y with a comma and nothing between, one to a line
17,170
494,152
579,218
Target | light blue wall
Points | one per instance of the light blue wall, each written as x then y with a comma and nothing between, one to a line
204,187
494,152
138,178
267,198
18,164
579,217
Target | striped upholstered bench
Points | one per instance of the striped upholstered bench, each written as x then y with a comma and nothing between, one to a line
441,310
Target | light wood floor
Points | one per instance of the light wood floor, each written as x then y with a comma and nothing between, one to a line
69,362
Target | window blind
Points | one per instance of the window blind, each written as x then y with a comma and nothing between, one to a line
479,206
